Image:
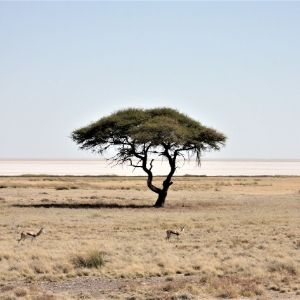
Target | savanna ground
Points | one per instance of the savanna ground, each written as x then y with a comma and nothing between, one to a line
103,239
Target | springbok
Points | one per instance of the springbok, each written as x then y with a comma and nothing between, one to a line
174,232
30,234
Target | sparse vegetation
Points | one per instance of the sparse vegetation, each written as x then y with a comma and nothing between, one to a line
20,292
92,259
242,241
235,286
61,188
284,267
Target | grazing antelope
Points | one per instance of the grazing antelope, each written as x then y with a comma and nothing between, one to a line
174,232
29,234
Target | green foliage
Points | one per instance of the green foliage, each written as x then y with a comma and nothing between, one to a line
156,127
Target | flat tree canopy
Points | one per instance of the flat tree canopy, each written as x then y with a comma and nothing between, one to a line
141,135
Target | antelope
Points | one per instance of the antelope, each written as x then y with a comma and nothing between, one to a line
30,234
174,232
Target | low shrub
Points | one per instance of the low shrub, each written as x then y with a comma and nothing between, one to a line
20,292
92,259
61,188
283,267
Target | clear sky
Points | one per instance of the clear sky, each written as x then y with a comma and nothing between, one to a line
234,66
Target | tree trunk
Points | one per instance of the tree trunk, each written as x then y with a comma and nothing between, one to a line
162,193
161,199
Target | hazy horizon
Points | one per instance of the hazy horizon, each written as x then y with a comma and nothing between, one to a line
99,158
209,167
233,66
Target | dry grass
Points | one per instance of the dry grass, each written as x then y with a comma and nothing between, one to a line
91,259
241,236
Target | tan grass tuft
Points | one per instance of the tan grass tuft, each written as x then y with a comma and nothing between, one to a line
283,267
91,259
20,292
232,287
61,188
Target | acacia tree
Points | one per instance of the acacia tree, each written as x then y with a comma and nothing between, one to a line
139,136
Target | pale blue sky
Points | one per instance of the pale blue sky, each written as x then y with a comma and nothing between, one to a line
234,66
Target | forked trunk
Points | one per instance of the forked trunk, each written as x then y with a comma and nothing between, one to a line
162,193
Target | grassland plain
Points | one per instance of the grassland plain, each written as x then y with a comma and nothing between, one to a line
104,240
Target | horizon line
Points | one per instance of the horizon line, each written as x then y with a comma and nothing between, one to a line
106,159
